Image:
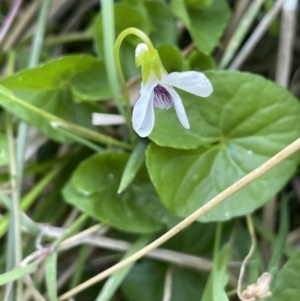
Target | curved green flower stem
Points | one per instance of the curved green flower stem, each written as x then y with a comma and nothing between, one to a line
251,251
221,197
140,34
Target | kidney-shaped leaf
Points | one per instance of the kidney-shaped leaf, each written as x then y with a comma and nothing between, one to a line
93,189
243,107
186,180
250,119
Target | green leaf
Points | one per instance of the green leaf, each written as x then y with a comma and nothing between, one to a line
133,165
200,4
17,273
204,25
4,155
199,61
282,233
137,4
214,289
171,57
249,119
14,104
92,84
243,108
93,189
146,280
163,25
50,273
286,284
186,180
47,87
113,283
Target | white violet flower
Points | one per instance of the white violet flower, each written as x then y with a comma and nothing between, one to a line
157,90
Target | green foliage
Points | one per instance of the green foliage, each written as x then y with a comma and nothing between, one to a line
198,3
138,20
286,284
171,57
205,25
113,283
4,155
49,87
146,280
91,84
93,189
141,188
262,116
199,61
122,11
162,23
261,123
214,289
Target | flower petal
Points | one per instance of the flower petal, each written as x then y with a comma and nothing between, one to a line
143,114
107,119
140,49
181,114
191,81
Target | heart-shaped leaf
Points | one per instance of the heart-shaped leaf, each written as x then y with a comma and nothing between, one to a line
249,119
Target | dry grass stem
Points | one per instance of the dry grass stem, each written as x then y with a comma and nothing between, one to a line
168,285
256,36
243,267
286,42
